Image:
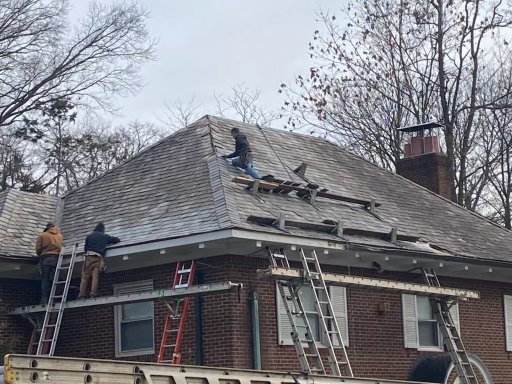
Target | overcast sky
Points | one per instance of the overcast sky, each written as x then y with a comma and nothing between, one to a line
209,46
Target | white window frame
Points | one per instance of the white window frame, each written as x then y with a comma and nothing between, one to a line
507,308
127,288
340,313
434,348
411,328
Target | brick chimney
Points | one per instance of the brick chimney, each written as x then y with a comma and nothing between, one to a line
423,161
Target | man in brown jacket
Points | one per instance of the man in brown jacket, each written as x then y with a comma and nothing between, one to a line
48,247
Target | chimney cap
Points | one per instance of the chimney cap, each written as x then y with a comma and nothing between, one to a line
420,127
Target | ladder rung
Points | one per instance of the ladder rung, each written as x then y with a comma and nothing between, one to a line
279,256
169,345
181,286
342,362
47,340
49,326
319,287
309,258
183,271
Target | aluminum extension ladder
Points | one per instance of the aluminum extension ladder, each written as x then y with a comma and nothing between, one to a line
451,337
172,336
50,327
289,292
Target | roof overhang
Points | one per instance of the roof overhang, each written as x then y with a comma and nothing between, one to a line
252,243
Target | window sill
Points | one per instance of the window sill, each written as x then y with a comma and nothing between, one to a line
430,349
138,352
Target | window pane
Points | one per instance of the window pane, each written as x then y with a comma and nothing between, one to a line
306,296
137,311
428,333
424,308
137,335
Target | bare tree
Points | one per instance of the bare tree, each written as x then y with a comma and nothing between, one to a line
43,59
180,114
243,104
397,63
18,169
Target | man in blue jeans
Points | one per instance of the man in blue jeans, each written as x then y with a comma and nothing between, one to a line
242,157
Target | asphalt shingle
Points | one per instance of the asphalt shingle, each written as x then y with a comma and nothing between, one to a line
181,186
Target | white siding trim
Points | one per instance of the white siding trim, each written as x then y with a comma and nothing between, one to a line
410,321
507,304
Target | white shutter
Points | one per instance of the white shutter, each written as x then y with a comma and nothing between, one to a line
410,319
454,312
338,297
507,300
284,328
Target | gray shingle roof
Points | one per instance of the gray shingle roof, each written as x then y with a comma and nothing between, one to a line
23,216
181,186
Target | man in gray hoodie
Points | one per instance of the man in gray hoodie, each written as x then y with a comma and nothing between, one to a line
95,247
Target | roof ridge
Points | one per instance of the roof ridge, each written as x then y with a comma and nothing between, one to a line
137,155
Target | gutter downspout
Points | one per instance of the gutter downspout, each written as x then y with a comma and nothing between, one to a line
255,322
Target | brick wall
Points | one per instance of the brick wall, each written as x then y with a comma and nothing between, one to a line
14,331
429,170
376,339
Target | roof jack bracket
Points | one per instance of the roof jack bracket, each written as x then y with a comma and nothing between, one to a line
280,222
255,187
371,206
312,196
338,228
393,235
301,169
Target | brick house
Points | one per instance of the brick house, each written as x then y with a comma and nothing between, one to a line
177,201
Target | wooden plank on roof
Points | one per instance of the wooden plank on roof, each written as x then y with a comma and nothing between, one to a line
368,282
285,188
330,226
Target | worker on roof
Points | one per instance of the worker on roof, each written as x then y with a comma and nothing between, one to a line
95,247
48,248
242,157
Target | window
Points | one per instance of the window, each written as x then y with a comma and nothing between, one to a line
421,330
428,330
134,322
507,300
338,300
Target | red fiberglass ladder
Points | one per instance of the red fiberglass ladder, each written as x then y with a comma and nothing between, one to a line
175,321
